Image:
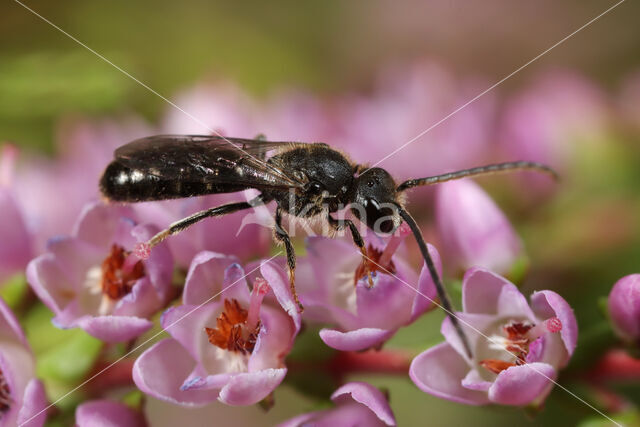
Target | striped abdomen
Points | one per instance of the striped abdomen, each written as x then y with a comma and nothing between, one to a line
122,184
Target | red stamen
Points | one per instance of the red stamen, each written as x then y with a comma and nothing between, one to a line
519,335
5,394
373,264
495,365
120,273
231,332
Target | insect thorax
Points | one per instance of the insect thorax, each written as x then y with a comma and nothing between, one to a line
327,178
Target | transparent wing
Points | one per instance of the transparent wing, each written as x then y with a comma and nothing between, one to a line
208,159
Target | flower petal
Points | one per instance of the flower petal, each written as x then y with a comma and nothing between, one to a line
386,304
142,301
186,323
426,295
355,340
480,291
472,326
234,284
329,258
161,370
16,243
473,381
107,413
302,420
624,306
349,414
369,396
274,340
252,387
206,276
473,229
521,385
99,223
55,277
17,366
512,304
277,279
207,382
114,328
33,412
159,265
548,304
9,326
439,371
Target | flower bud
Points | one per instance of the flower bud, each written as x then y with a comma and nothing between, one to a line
473,230
624,308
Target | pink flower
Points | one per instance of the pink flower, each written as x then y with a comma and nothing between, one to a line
517,348
91,280
473,230
624,308
552,121
227,342
53,193
296,116
22,398
224,109
16,241
364,316
107,413
356,404
407,102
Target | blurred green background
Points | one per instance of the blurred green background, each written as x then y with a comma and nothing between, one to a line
331,47
327,47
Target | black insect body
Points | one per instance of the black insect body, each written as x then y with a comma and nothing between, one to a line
304,180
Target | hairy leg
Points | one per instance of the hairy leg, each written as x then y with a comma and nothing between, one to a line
339,225
184,223
282,236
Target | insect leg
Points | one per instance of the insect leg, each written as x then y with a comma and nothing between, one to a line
338,225
442,294
180,225
282,235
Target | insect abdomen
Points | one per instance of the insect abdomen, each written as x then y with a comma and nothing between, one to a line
122,184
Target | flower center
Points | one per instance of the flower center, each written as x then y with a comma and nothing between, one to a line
5,394
120,271
515,341
237,328
372,264
380,260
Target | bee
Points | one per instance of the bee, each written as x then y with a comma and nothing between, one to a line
305,180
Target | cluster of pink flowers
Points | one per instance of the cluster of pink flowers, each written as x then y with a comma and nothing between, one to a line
232,322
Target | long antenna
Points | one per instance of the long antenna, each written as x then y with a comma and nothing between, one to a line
442,294
479,171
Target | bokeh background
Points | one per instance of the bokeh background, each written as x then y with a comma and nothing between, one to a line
369,65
